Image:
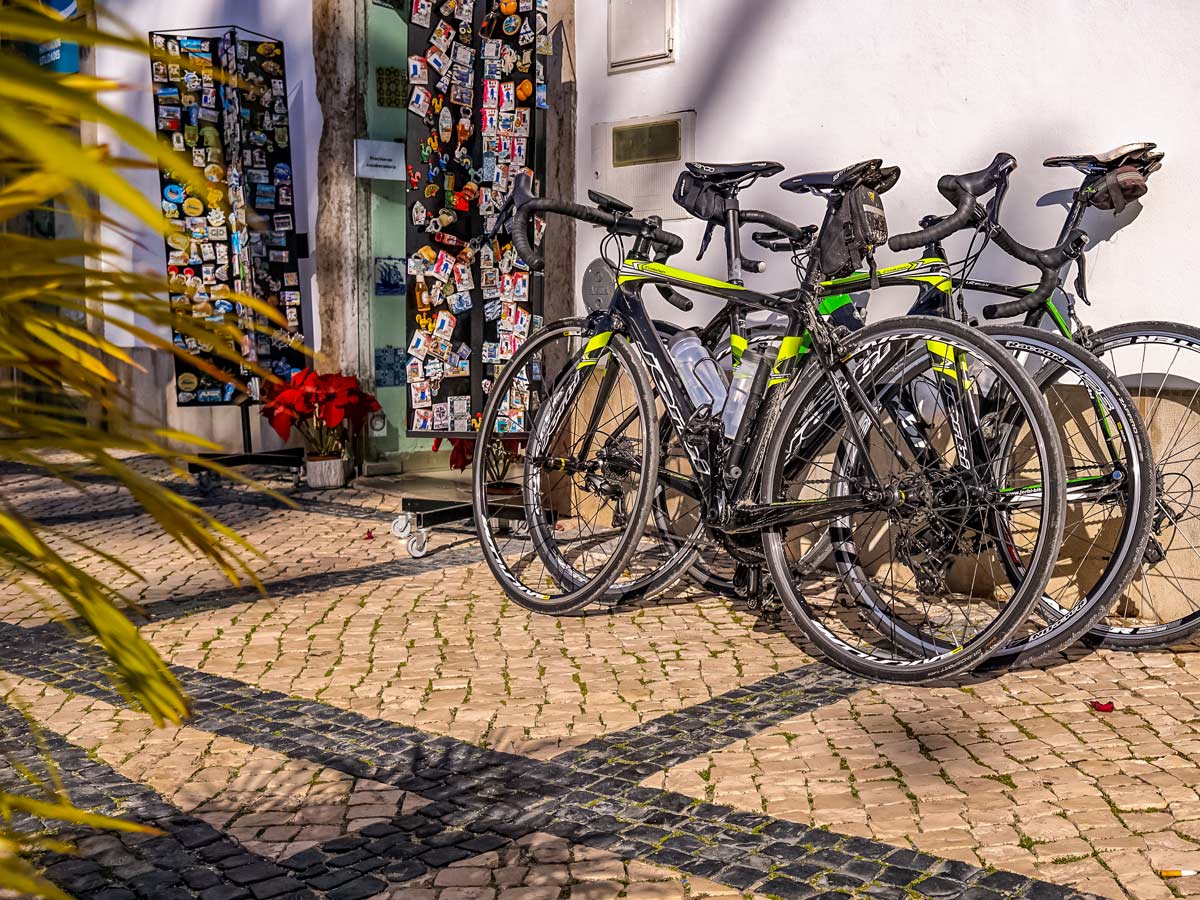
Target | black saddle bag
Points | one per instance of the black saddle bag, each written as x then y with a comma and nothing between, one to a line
1118,189
855,229
698,197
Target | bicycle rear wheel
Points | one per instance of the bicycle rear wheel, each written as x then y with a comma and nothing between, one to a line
565,467
1159,363
914,589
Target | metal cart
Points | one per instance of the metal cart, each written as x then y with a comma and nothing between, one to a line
418,517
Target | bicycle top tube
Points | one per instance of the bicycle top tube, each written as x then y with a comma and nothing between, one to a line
639,273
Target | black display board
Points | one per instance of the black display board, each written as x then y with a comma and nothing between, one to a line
221,101
476,99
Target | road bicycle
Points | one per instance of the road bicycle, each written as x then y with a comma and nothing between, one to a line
675,538
1111,481
1111,487
920,499
1157,362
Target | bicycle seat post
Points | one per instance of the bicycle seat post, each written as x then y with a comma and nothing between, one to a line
733,239
1075,211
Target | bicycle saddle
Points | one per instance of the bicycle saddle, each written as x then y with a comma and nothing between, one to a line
870,172
1126,154
721,173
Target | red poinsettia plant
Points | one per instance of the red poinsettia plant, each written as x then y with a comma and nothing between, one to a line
325,409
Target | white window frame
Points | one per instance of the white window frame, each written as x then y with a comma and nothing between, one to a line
642,62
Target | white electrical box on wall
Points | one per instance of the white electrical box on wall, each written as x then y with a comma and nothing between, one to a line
641,33
638,160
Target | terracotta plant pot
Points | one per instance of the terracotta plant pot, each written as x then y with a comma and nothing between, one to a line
325,472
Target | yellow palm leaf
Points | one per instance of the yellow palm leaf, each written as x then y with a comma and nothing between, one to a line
64,812
48,290
17,875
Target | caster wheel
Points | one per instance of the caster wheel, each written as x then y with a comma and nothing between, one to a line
418,544
402,526
207,481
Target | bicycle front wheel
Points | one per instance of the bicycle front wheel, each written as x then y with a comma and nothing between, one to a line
915,588
565,467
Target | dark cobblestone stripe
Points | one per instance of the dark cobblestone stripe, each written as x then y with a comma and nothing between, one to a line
484,793
700,729
7,468
190,860
640,751
386,854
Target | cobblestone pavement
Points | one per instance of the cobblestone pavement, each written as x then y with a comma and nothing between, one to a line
377,726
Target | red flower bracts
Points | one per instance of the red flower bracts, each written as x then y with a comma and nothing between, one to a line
325,409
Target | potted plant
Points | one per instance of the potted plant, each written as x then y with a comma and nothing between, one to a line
326,410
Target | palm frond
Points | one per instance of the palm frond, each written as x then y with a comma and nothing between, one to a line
67,307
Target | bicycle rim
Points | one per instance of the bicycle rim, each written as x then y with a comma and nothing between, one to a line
1159,363
1109,498
559,497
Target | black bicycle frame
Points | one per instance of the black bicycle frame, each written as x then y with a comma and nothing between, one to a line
627,314
729,502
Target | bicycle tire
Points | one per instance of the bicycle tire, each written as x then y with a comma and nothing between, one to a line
1177,506
575,591
951,660
655,574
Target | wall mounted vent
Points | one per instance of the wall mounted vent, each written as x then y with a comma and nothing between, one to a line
638,160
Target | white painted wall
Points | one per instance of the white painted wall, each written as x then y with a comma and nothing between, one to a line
934,88
287,20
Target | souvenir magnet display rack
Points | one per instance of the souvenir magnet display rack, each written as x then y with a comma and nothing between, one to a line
476,91
220,99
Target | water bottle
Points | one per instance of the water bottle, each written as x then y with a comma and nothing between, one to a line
703,380
739,391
